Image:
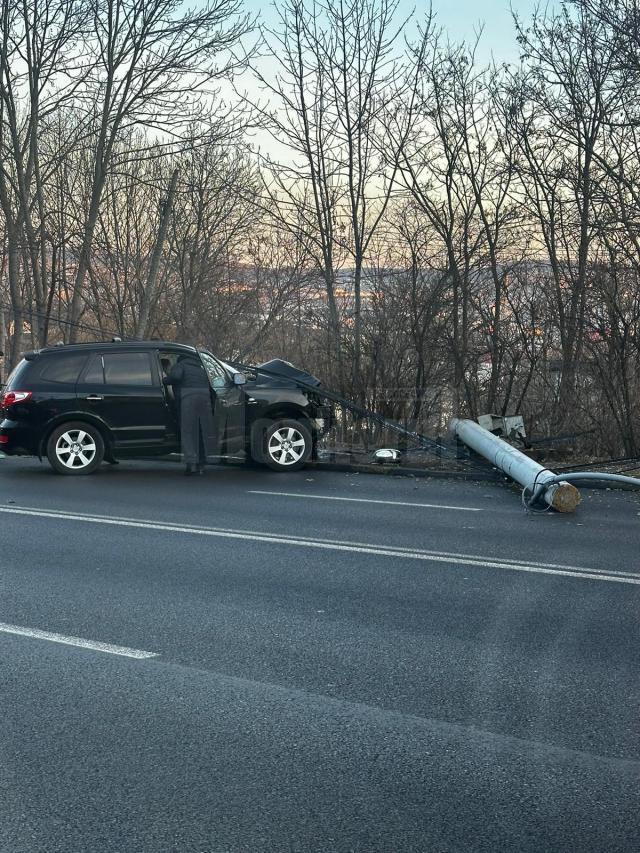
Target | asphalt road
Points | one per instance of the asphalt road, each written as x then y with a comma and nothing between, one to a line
321,662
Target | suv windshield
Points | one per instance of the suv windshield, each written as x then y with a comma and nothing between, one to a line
217,376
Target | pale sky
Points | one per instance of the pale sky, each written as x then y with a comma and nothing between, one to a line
461,19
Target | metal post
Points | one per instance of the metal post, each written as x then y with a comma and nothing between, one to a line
562,496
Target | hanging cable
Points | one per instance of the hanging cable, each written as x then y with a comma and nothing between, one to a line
427,444
29,312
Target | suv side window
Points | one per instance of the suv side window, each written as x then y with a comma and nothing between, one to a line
94,374
127,368
63,368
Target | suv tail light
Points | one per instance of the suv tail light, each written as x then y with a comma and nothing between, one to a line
11,397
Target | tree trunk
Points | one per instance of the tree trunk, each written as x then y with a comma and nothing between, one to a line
83,265
357,333
16,300
3,342
151,289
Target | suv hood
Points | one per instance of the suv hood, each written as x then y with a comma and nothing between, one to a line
287,371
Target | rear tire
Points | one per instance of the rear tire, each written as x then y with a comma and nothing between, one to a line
75,448
287,445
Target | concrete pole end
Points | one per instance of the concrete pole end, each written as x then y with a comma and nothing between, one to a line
563,497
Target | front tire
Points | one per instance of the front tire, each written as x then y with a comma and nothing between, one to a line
75,448
287,445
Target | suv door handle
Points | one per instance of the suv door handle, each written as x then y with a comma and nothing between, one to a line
94,397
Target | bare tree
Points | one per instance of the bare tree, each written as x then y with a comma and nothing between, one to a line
303,189
557,116
38,78
435,170
151,289
151,68
356,53
204,295
617,21
339,74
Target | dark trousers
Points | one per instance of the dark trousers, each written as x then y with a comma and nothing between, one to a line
196,425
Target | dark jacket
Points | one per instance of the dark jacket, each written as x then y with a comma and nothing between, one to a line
187,375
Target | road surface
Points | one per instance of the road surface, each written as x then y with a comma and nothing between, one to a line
317,661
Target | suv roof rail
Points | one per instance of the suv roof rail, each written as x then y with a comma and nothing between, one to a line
146,342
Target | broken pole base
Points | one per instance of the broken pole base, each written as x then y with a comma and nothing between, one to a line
563,497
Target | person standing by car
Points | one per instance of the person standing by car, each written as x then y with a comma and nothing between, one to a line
193,393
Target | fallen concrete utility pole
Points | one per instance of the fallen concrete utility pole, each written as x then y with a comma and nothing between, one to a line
537,480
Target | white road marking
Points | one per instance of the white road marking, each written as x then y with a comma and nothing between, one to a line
611,576
365,500
110,649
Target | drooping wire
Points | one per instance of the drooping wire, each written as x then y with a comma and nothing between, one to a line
29,312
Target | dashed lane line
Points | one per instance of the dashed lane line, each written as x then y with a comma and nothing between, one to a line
80,642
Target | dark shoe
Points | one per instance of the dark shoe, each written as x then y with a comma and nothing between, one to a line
188,471
200,469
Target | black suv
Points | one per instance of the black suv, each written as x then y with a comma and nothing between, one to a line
84,403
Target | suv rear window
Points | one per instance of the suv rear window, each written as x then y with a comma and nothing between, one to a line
127,368
63,368
15,377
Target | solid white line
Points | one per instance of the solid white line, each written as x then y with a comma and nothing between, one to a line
365,500
328,544
189,528
110,649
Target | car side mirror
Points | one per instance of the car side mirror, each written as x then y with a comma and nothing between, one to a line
239,379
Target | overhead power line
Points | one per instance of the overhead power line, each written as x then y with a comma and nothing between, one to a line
29,312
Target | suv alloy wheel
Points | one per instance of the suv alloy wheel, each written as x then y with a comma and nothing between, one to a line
75,448
287,445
